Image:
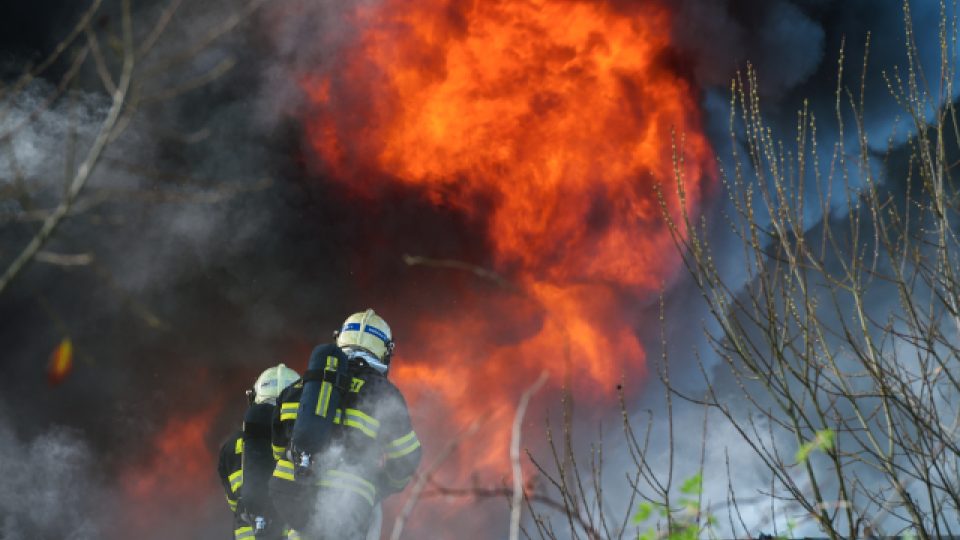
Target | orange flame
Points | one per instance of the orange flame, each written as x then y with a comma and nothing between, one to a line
168,484
551,121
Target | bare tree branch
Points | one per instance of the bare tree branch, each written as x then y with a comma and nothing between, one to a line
89,164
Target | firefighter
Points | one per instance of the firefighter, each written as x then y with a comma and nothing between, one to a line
342,437
247,455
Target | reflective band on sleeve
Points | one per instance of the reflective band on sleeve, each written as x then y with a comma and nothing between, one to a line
243,532
293,535
284,470
403,446
278,451
238,448
369,420
236,480
358,419
399,484
369,426
336,479
402,441
288,411
232,503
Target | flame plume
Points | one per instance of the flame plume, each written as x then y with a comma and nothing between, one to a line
551,122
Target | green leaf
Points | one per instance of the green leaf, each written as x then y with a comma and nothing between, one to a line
823,440
649,535
826,439
692,485
684,532
643,512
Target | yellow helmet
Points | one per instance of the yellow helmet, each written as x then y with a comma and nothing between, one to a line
271,382
367,332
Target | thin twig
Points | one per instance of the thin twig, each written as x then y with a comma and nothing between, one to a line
424,477
63,259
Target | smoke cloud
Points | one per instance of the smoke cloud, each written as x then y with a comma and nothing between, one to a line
48,488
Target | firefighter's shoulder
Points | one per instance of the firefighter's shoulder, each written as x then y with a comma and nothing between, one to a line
292,392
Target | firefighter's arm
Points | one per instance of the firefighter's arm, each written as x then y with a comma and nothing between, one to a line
284,415
401,448
228,471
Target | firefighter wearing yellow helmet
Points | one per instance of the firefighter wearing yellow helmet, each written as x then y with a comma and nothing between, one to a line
246,459
342,436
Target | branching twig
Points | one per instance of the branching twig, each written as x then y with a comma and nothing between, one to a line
89,164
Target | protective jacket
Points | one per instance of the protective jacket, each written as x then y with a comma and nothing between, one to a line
371,453
230,468
230,471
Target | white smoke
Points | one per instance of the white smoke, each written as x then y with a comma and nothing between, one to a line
48,488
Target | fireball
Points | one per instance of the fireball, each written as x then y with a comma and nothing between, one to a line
552,121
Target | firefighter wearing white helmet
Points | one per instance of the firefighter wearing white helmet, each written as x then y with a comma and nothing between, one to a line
271,382
367,453
366,335
247,456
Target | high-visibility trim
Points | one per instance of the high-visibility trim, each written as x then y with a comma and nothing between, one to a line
403,446
359,420
284,470
238,448
337,479
402,441
236,480
288,410
232,503
242,533
293,535
366,418
332,363
326,389
323,402
398,484
278,451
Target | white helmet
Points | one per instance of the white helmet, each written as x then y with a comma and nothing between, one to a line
271,382
369,335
